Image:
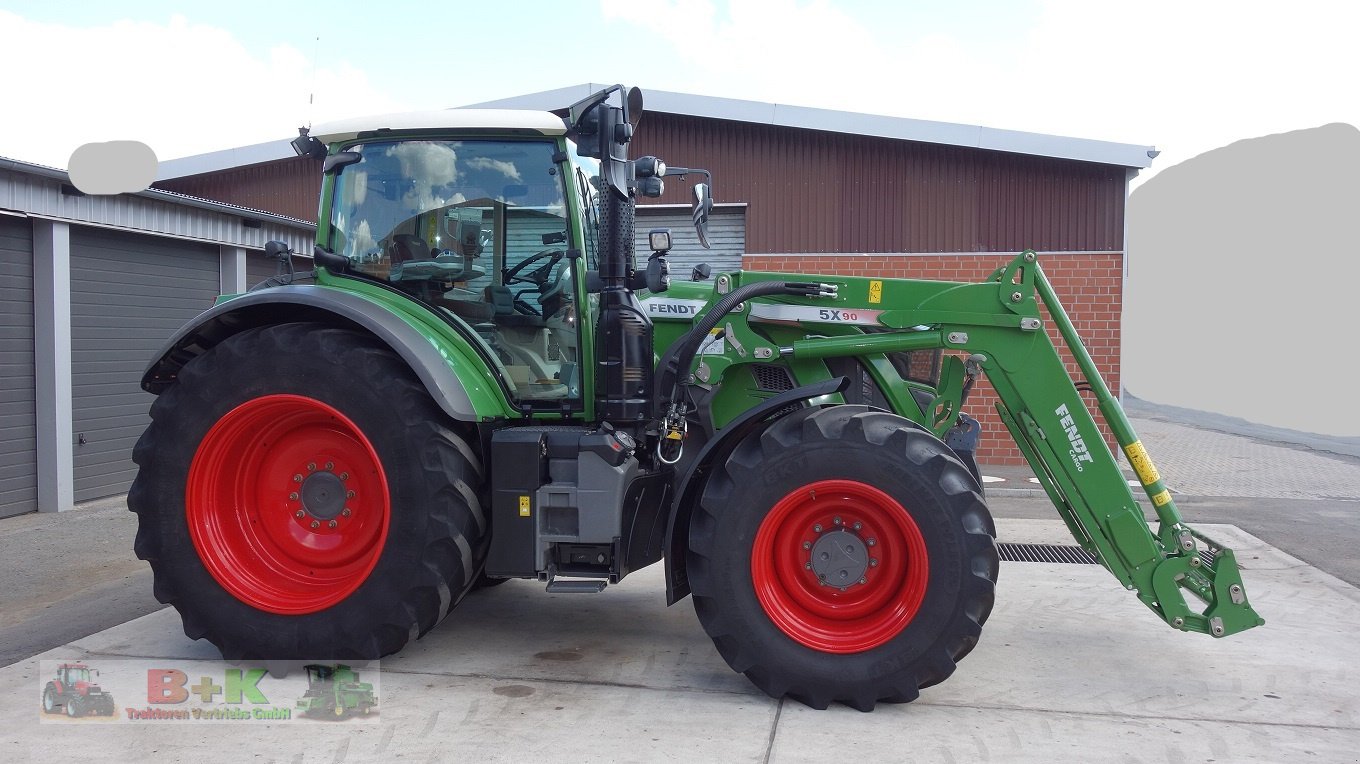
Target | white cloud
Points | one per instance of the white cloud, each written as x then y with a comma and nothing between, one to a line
1187,77
180,87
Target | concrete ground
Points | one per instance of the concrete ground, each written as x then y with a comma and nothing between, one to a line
1070,666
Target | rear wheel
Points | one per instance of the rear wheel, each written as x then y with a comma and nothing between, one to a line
301,495
842,554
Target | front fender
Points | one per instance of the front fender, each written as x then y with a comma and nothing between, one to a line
447,364
690,485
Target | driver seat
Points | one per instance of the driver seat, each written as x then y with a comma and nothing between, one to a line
502,300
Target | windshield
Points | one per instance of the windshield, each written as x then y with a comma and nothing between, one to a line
478,229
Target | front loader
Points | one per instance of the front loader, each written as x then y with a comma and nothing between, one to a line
481,380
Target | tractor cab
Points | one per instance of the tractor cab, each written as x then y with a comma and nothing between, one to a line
481,228
73,674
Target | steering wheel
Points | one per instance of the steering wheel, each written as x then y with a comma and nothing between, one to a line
538,276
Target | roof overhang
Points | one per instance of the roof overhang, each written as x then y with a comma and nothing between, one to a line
530,112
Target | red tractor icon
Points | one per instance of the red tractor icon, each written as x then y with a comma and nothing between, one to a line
73,690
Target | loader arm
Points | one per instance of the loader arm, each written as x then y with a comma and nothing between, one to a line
1000,324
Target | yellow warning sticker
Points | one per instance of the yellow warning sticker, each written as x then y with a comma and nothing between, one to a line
524,506
875,291
1142,463
1161,498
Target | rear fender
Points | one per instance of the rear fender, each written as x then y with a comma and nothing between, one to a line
689,487
469,396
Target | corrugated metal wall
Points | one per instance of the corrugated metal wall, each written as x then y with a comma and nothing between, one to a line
129,293
287,187
18,429
726,238
259,267
813,191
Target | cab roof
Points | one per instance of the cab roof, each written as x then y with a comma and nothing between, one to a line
442,119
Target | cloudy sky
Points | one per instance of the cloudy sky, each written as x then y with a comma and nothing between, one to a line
188,77
1188,77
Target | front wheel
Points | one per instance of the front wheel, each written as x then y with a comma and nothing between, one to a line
842,554
301,495
49,699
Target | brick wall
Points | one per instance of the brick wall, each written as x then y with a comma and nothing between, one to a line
1089,285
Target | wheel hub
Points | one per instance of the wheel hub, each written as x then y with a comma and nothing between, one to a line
323,495
840,558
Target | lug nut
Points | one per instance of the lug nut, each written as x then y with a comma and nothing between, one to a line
817,528
297,478
344,476
349,494
293,496
807,565
807,544
870,542
332,524
330,465
864,580
300,514
311,466
345,512
836,520
857,526
316,524
873,562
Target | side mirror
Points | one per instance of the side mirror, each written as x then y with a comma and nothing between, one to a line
703,207
276,250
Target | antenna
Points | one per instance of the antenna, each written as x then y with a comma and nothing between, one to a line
311,97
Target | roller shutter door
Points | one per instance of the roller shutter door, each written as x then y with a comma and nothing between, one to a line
18,428
726,235
129,293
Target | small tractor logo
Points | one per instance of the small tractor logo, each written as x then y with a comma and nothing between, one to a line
73,690
335,692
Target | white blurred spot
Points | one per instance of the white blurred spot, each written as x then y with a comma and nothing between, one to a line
990,479
113,167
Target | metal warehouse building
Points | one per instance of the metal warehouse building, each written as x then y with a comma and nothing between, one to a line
90,288
813,190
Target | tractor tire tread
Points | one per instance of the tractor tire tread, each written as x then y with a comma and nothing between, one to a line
936,465
453,540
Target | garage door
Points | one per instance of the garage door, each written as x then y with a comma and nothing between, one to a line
726,235
18,460
129,293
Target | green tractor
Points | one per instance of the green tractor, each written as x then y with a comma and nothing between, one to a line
480,381
334,692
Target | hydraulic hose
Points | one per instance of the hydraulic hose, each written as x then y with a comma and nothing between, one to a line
680,355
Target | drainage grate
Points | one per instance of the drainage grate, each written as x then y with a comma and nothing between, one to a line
1074,555
1045,553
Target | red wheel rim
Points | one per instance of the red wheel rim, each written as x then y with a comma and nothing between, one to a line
839,616
287,504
